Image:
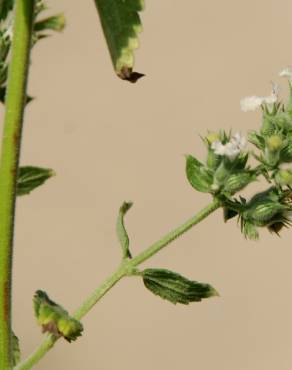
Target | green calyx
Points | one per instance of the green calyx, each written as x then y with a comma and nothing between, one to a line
266,209
54,318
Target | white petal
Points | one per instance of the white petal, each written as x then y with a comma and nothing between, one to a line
218,148
271,99
286,72
231,150
251,103
239,140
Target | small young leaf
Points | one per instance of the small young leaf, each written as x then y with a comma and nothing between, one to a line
54,23
30,177
54,318
121,24
121,230
175,288
15,350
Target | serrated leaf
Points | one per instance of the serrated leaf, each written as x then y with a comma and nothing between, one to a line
198,175
175,288
15,350
54,318
30,177
53,23
121,230
121,25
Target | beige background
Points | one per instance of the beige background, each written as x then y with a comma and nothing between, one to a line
111,141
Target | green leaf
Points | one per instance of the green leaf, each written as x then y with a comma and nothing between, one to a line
54,23
175,288
198,176
121,24
54,318
5,7
121,230
30,177
15,350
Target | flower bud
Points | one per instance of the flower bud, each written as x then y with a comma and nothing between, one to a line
238,181
212,137
284,177
286,153
274,144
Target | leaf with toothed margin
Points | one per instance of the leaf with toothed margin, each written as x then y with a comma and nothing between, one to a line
121,25
121,230
30,177
175,288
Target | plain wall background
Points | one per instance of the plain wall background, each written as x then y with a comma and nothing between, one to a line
111,141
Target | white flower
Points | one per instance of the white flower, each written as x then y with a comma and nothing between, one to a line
231,149
286,72
251,103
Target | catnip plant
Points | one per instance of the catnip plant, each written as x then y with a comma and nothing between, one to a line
232,162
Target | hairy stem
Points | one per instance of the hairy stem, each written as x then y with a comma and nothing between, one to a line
125,269
15,103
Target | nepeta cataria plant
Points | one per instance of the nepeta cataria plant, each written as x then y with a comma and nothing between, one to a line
223,173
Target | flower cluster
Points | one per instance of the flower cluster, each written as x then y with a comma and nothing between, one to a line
226,170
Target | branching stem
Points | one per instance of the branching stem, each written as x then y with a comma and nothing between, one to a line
127,268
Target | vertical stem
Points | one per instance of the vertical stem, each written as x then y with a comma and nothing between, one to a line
15,103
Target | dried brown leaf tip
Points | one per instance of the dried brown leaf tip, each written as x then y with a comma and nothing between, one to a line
128,74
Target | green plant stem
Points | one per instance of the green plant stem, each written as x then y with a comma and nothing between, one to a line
15,103
127,268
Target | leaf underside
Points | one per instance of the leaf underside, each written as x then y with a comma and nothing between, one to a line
121,25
